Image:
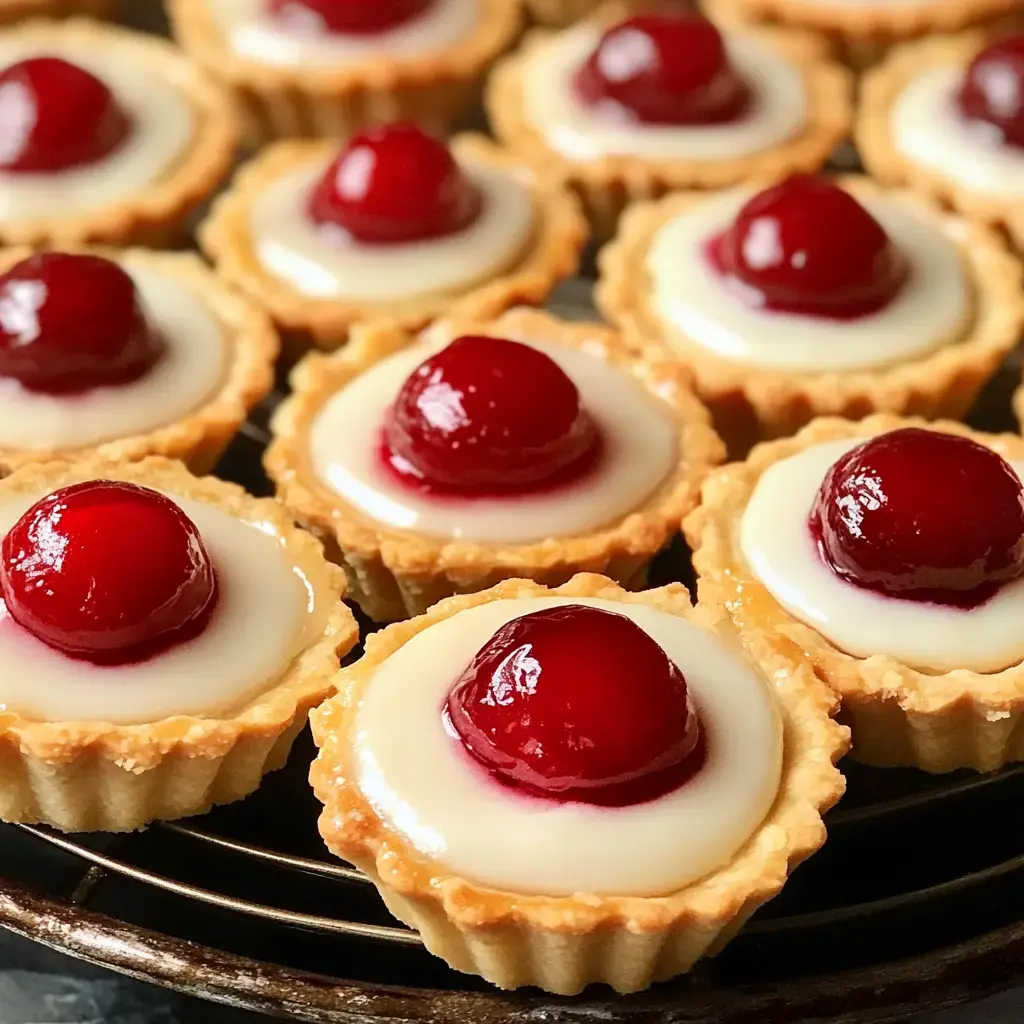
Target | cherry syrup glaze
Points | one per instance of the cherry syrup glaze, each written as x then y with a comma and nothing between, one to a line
395,183
992,90
344,17
488,416
576,704
663,69
71,322
108,572
54,116
807,246
924,516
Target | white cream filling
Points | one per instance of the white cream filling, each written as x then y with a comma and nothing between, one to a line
778,546
254,34
419,779
264,607
689,294
322,264
927,129
163,125
551,106
188,373
641,448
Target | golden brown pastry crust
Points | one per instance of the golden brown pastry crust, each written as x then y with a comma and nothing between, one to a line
551,255
608,185
751,403
881,88
397,573
85,776
562,944
199,438
437,89
558,13
17,10
899,715
157,214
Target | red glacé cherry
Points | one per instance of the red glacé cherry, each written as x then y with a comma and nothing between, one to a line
487,415
993,89
108,572
924,516
807,246
70,322
393,184
55,115
577,704
346,17
664,69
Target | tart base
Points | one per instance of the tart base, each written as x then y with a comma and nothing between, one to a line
558,13
437,90
898,715
17,10
550,255
608,185
564,944
96,776
750,404
395,574
200,437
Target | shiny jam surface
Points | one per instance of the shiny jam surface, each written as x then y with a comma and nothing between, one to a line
577,704
663,69
70,322
393,184
992,90
488,416
108,572
807,246
344,17
924,516
54,116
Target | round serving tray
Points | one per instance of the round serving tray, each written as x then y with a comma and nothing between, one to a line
916,901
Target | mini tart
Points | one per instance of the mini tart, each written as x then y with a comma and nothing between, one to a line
16,10
199,438
562,944
606,186
157,214
551,254
437,88
395,573
862,34
899,716
881,91
753,403
97,776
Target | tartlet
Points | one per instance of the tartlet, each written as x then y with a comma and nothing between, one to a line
436,88
935,719
153,206
94,775
608,181
754,402
548,254
196,435
561,943
397,572
972,170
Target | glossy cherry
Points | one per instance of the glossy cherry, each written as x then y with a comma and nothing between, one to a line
992,89
395,183
922,515
489,415
107,571
55,115
70,322
575,703
345,17
807,246
663,69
